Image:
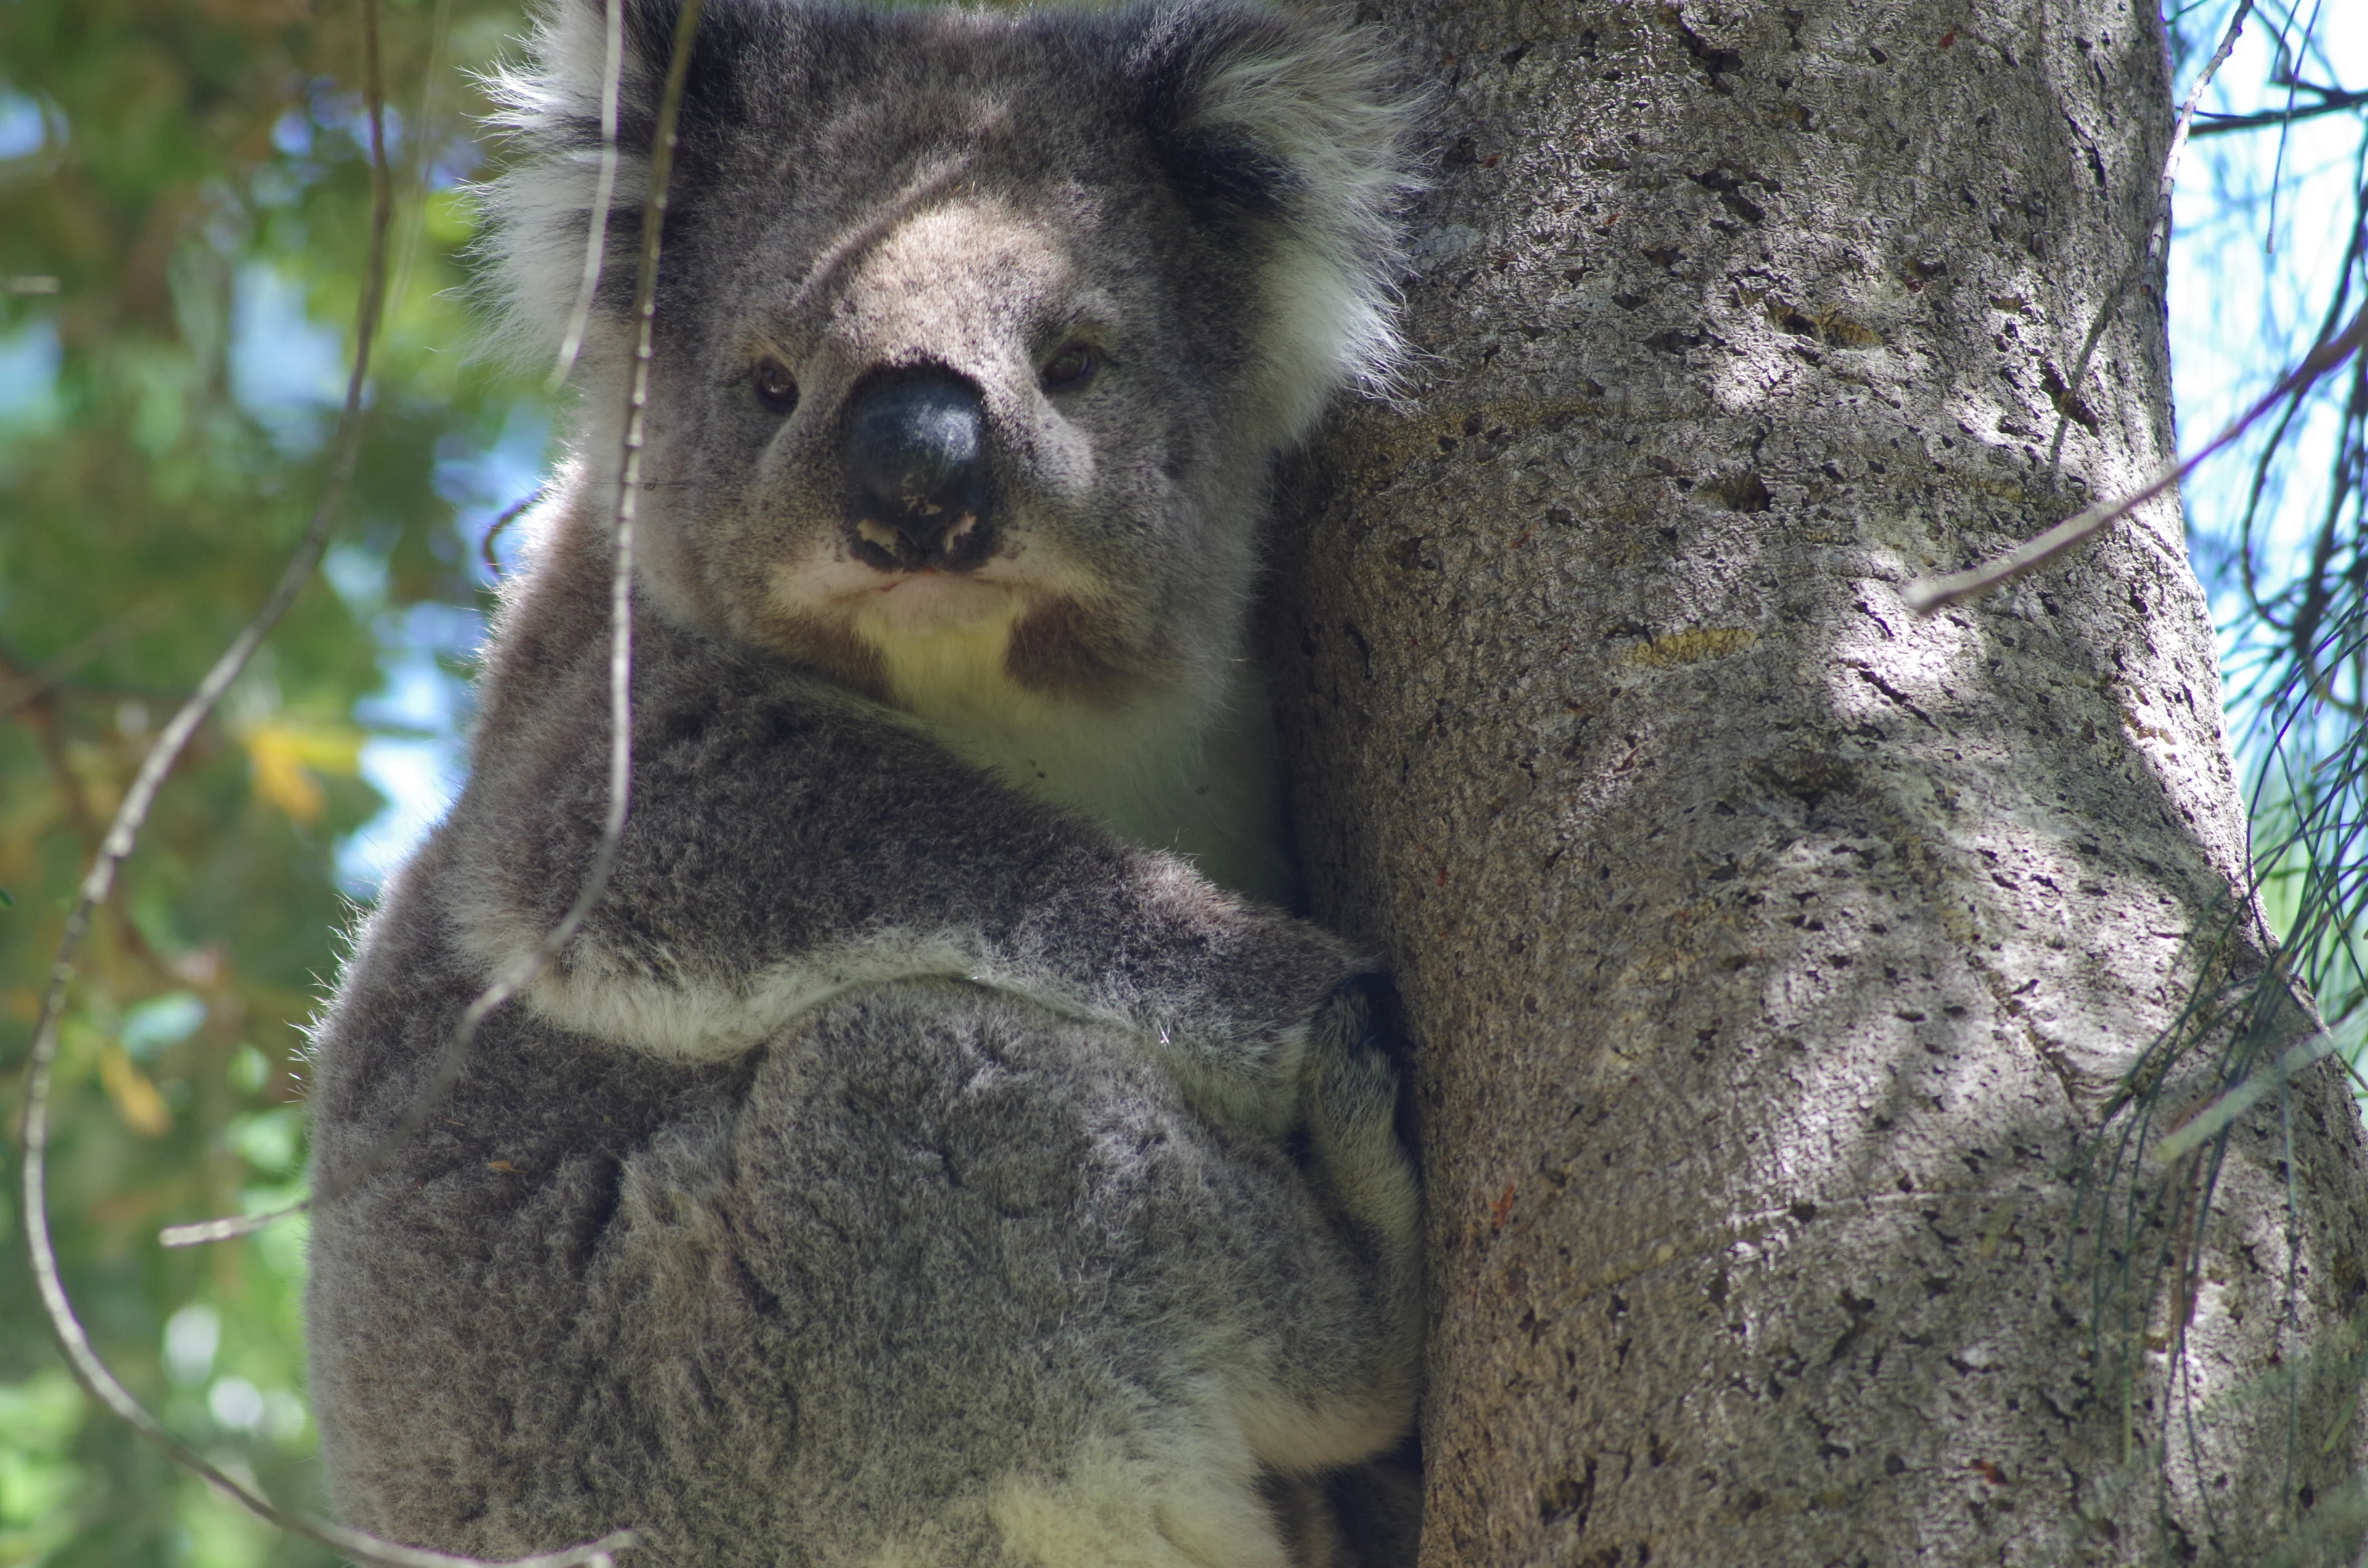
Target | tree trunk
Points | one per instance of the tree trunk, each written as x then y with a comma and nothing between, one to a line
1776,957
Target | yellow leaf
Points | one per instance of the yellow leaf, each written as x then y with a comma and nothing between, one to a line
332,748
285,757
141,1107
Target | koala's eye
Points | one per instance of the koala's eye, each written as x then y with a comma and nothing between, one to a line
1070,369
776,388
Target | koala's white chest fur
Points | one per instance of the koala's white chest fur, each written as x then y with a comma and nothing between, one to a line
1178,770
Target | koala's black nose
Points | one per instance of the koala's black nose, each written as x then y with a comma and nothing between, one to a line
921,492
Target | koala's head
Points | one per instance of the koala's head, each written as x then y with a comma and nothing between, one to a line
976,332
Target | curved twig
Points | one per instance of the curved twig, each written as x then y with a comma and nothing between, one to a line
2333,103
604,191
520,972
73,1342
510,514
124,831
1930,594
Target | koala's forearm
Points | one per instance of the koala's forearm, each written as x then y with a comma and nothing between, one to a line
788,843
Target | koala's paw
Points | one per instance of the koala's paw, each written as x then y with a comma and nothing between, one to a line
1353,1095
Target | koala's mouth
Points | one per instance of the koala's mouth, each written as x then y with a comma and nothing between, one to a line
925,601
883,605
1029,620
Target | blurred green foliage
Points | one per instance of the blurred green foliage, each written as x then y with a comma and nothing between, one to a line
184,202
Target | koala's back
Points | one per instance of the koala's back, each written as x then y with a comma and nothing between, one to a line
933,1279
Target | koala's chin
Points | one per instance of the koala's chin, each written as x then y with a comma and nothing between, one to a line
935,1147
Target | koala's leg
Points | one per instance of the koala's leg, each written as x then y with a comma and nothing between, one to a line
1333,1298
1019,1267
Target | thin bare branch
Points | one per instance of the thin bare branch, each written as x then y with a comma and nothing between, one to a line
522,970
2225,124
2157,231
1928,595
2206,1123
604,191
2271,609
123,831
510,514
418,152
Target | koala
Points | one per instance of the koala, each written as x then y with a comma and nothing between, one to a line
937,1147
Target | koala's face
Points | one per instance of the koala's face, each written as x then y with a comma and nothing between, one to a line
948,373
974,334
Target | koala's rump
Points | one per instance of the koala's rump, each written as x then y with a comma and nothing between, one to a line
934,1276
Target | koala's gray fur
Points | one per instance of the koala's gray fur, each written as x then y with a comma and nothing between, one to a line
913,1160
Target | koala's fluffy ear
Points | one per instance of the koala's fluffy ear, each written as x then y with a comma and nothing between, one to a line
549,107
1293,126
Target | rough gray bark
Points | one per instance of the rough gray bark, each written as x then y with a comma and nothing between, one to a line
1775,956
